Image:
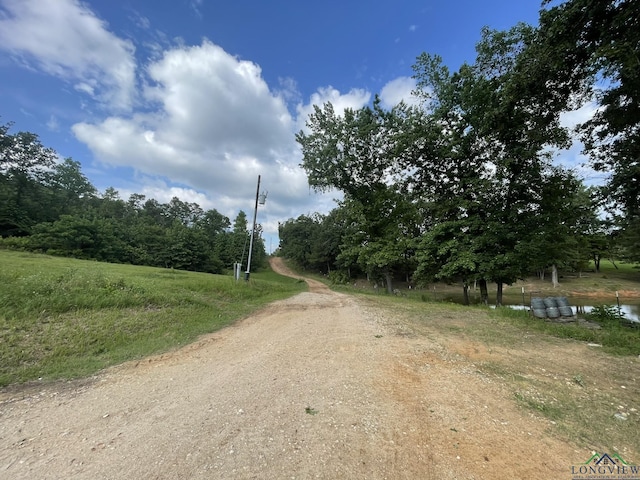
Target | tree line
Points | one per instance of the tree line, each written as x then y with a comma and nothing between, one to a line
464,186
51,207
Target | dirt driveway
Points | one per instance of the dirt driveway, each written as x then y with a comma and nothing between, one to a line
316,386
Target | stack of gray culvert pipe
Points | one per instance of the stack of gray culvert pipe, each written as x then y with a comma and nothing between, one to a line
563,307
551,307
538,307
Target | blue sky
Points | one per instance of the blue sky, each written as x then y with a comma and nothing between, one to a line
196,98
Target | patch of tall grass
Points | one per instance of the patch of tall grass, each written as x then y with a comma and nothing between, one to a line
616,338
64,318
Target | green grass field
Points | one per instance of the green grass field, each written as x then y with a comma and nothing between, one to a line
590,288
64,318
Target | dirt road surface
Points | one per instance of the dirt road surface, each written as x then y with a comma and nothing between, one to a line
316,386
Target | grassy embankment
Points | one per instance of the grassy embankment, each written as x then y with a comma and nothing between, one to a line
589,289
64,318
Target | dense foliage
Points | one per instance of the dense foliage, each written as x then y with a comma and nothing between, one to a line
51,207
464,187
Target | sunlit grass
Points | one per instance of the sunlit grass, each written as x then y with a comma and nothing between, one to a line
64,318
615,337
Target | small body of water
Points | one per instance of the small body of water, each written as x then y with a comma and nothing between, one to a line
630,311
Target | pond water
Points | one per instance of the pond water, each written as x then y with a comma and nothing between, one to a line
631,311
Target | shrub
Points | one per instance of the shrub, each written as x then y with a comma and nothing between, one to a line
606,314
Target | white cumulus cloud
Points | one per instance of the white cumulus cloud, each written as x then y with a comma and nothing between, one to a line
356,98
212,124
194,122
67,40
398,90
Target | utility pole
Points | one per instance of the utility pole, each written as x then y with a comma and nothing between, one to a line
260,198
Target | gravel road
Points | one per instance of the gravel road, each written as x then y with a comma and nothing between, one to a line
316,386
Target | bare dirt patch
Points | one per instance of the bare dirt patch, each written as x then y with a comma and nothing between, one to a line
322,385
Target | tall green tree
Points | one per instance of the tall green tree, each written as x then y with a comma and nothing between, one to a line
589,51
188,214
327,242
25,166
357,153
71,188
298,239
483,176
233,246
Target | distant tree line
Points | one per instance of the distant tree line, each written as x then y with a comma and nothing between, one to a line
464,187
51,207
